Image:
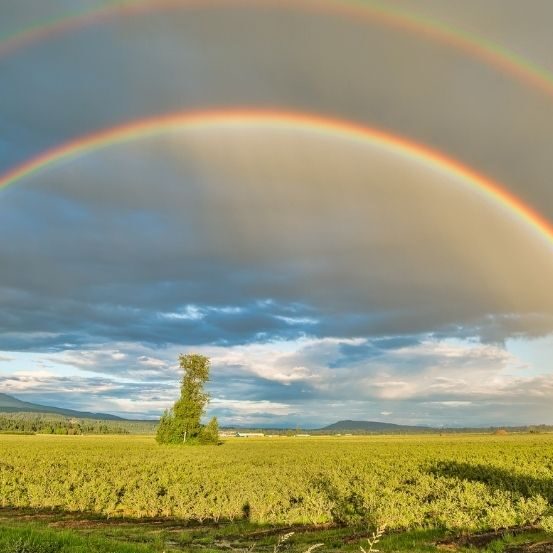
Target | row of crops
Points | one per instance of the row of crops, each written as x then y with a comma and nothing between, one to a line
454,482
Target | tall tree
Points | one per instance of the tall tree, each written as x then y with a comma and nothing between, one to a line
190,407
182,424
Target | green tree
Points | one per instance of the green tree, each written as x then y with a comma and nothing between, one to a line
166,430
210,433
182,424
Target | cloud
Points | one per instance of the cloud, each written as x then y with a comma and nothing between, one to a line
452,382
189,261
417,381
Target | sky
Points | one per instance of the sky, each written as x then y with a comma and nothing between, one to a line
346,205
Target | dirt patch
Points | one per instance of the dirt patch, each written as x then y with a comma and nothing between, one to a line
540,547
285,529
95,524
483,539
84,520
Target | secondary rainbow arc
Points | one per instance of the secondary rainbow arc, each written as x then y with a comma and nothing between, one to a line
157,125
486,51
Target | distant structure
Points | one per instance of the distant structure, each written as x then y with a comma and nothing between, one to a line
249,434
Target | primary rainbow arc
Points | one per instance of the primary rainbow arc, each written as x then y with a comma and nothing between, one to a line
157,125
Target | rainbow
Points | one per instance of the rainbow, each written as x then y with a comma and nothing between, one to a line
495,55
241,118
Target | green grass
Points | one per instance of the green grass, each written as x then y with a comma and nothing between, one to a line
29,538
43,534
36,537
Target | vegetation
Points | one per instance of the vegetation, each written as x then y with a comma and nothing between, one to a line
547,524
102,536
210,433
34,539
37,423
459,483
63,533
375,429
182,423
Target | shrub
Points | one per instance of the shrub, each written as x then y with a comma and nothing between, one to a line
547,524
210,433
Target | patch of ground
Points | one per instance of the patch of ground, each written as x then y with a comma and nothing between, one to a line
482,539
173,535
540,547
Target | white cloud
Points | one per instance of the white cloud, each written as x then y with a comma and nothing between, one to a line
246,407
188,313
152,362
310,379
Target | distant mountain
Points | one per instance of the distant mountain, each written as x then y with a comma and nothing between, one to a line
10,404
371,426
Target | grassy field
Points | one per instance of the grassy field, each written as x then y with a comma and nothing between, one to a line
126,493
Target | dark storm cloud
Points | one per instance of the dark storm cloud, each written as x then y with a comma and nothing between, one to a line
48,328
233,241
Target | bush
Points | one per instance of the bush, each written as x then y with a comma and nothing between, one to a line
210,433
168,431
547,524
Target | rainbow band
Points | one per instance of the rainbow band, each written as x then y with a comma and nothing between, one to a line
241,118
486,51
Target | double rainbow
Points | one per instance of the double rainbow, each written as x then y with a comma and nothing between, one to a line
369,10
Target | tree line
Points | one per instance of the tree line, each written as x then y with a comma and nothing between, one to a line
30,423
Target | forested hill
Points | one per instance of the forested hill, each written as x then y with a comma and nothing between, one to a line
375,427
372,426
10,404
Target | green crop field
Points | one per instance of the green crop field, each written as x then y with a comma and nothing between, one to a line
454,484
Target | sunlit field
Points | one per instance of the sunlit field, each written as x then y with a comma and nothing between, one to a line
450,483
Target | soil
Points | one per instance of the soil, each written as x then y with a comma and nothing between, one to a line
482,540
540,547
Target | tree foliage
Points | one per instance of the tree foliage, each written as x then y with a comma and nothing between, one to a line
182,423
210,432
46,423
